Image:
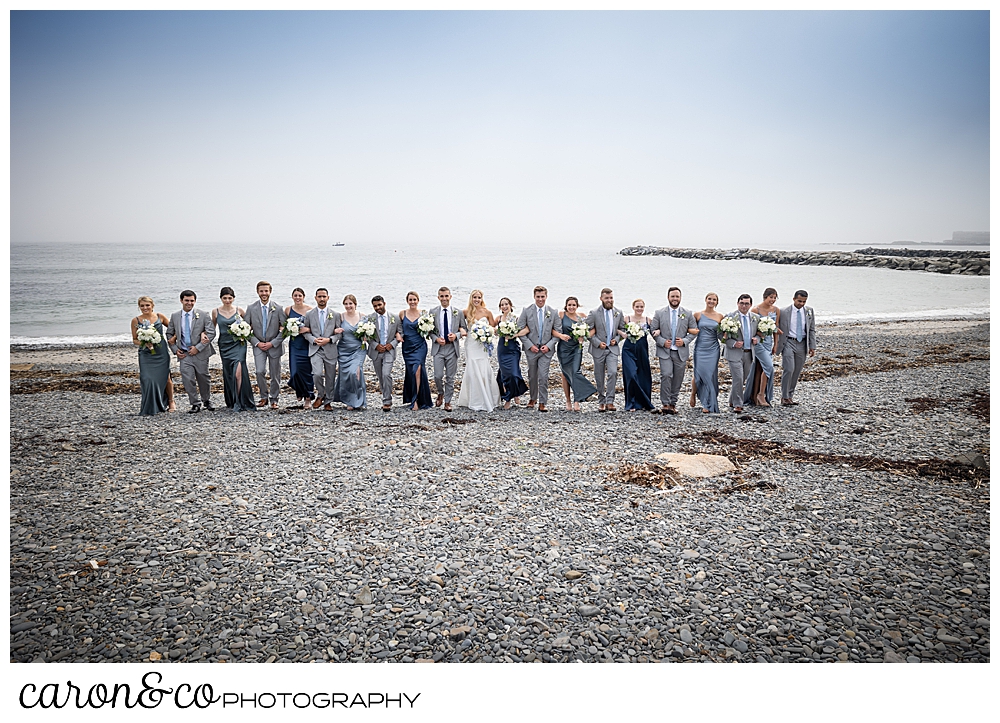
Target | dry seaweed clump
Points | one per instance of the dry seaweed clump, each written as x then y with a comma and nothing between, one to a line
649,474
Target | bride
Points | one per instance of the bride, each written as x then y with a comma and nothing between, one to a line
479,385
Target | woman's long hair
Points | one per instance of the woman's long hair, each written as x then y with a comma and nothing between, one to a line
470,310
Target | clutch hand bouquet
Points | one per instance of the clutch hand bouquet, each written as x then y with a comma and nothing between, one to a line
508,330
634,331
366,332
729,328
148,336
580,331
292,327
241,331
484,333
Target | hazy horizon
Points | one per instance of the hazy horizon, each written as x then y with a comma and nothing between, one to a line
485,129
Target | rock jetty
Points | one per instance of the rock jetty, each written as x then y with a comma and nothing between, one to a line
969,263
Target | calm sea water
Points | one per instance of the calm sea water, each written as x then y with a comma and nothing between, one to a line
86,293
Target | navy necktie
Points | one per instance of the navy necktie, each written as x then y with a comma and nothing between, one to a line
444,313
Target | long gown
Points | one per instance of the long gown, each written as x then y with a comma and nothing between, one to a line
763,363
234,355
635,369
509,378
570,355
480,391
154,373
706,363
299,366
414,356
351,368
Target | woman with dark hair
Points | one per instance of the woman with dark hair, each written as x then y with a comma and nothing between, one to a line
299,368
416,393
760,385
705,385
154,362
509,377
235,375
570,353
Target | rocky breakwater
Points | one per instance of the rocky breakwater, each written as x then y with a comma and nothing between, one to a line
969,263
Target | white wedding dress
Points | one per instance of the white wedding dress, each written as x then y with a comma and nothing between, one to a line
480,391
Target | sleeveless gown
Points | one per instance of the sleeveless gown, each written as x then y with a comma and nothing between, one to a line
635,369
154,372
234,354
570,355
763,363
509,378
480,391
414,356
706,363
299,366
351,368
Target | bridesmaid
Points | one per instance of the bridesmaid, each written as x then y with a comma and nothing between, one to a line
706,356
760,386
299,367
635,364
155,384
570,353
235,375
350,358
416,393
509,377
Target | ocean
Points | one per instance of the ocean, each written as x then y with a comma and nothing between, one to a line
76,294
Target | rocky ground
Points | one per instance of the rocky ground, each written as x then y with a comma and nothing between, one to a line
855,527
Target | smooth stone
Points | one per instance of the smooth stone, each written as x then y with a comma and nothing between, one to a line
698,466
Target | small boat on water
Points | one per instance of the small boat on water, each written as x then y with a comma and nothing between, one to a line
338,244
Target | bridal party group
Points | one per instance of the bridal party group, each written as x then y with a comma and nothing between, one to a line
328,350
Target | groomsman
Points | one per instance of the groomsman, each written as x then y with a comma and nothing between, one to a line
323,348
266,318
739,351
383,354
606,321
193,332
450,327
536,325
676,327
798,337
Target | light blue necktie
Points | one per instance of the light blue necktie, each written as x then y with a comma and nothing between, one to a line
540,323
607,323
187,331
381,329
263,312
798,324
673,326
322,324
746,332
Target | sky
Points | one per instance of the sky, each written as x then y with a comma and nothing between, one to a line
486,129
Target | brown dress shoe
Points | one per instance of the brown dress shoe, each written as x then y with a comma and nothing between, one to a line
447,407
439,401
541,408
738,410
610,408
262,403
600,407
531,404
386,407
670,409
327,408
274,405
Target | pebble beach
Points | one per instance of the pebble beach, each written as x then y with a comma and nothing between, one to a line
854,527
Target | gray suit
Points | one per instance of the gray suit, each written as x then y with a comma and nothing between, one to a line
446,356
270,359
323,358
793,351
673,362
605,360
194,369
539,364
741,360
383,361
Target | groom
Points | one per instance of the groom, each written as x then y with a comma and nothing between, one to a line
187,326
673,328
739,351
536,323
606,321
450,327
266,318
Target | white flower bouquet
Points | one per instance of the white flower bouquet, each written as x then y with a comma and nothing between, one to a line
729,328
508,330
292,327
634,331
366,332
241,331
148,336
426,325
580,331
766,326
482,332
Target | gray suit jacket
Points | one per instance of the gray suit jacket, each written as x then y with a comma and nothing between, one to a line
393,324
275,318
201,322
529,318
686,328
332,320
456,322
732,353
595,320
785,323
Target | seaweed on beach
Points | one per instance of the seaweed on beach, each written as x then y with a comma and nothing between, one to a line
651,474
844,365
976,403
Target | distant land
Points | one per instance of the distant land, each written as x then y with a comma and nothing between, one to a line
958,238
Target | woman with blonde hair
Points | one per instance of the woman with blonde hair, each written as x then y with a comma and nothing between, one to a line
155,386
479,391
705,384
351,357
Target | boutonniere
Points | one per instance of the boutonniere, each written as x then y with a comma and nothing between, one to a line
683,316
197,315
271,307
548,314
329,315
392,319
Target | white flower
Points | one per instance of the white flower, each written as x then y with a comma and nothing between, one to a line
580,331
634,331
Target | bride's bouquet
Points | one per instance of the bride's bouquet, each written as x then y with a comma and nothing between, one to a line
635,331
241,331
508,330
148,336
425,325
292,327
483,332
366,332
766,326
580,331
729,328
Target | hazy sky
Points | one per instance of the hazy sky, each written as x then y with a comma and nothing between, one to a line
476,128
